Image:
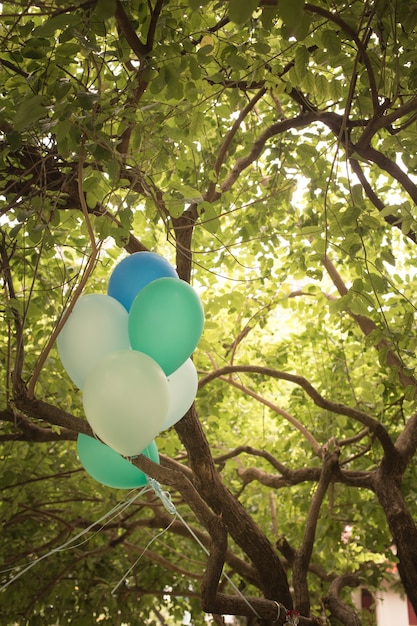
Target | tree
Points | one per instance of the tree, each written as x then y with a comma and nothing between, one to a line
267,150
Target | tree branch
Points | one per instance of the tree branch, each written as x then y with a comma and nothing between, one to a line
406,443
126,28
377,202
152,26
304,119
240,524
303,554
371,154
31,431
367,326
77,292
210,195
38,409
334,407
290,418
291,477
363,55
342,611
381,121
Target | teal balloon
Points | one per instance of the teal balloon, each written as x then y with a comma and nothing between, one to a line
166,321
96,326
126,400
108,467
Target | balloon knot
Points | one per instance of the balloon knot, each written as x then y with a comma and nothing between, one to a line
164,496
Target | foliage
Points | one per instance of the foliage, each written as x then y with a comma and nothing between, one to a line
267,150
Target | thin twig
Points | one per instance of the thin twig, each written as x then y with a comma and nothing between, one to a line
77,292
290,418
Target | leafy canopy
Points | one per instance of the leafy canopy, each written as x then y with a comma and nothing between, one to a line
267,150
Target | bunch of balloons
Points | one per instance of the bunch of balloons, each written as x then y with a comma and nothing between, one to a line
128,351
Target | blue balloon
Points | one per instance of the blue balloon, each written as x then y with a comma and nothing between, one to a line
108,467
135,272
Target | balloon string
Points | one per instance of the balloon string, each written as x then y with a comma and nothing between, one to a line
166,500
162,532
170,507
107,517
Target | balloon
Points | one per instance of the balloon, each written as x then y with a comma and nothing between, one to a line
96,326
166,320
126,400
183,385
109,468
136,271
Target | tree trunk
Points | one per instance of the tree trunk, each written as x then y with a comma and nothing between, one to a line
402,527
240,525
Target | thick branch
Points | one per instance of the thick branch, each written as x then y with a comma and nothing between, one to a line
292,477
380,121
304,119
371,154
31,431
303,554
240,524
152,26
235,605
401,524
41,410
214,567
305,474
406,443
334,407
229,138
342,611
376,201
125,25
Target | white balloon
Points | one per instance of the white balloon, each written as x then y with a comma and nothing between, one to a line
183,386
97,325
126,400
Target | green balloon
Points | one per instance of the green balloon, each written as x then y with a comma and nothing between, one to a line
108,467
166,321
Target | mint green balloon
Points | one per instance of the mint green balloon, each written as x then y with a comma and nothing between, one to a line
108,467
126,400
166,321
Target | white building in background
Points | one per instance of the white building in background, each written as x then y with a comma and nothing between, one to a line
388,606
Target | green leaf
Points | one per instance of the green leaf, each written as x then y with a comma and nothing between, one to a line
31,110
357,194
331,41
15,139
268,16
209,216
291,12
57,22
239,12
104,9
321,87
301,61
